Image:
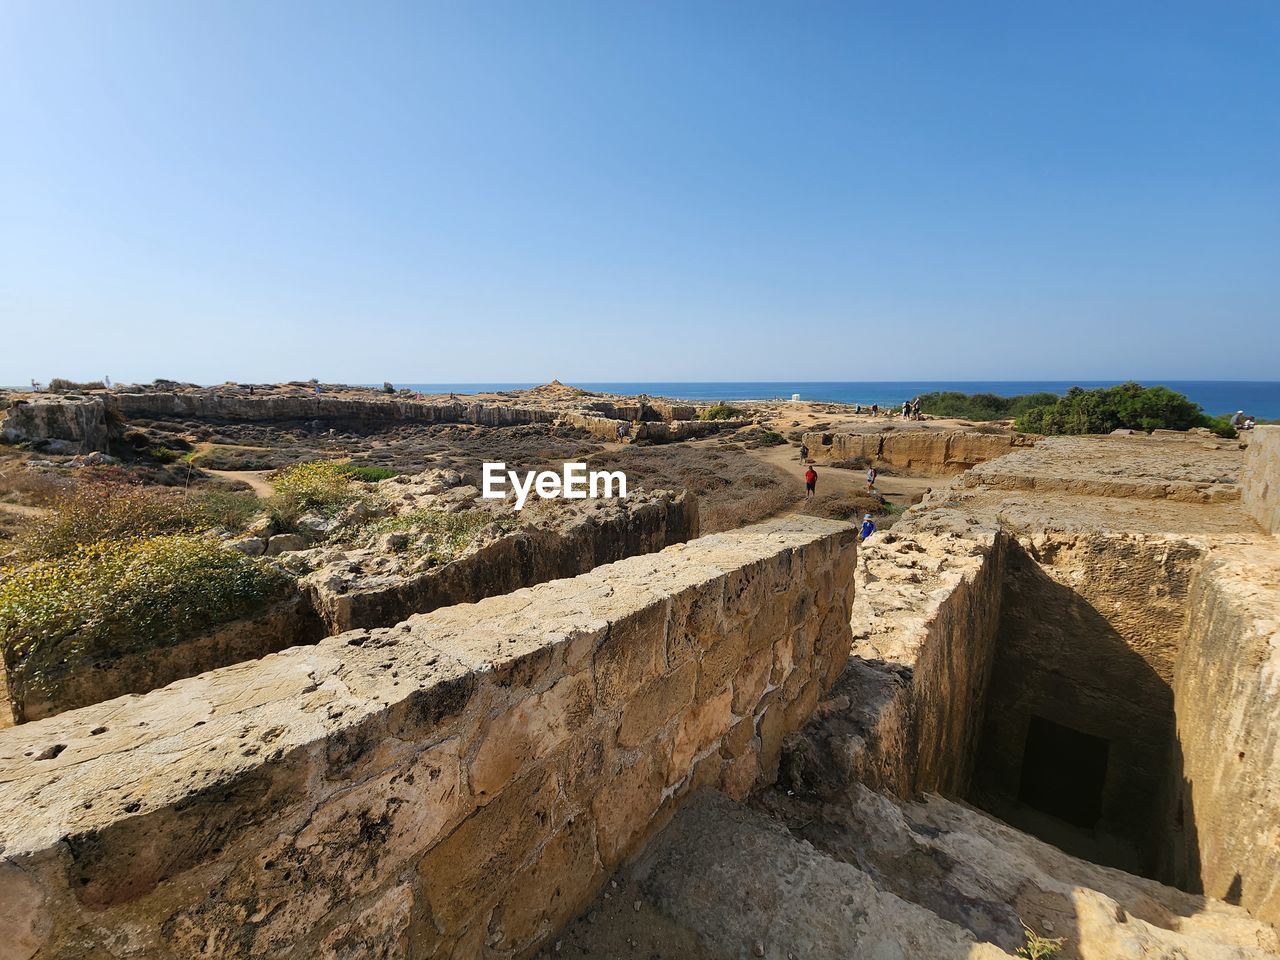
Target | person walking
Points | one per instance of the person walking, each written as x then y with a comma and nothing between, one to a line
804,453
810,482
871,479
868,527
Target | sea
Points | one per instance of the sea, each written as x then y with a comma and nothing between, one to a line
1257,398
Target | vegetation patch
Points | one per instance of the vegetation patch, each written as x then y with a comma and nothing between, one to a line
90,512
438,535
1129,406
723,411
102,600
367,473
981,406
320,486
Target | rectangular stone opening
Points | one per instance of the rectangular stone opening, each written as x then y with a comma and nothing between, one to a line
1078,741
1063,772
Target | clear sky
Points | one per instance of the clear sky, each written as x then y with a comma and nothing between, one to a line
604,191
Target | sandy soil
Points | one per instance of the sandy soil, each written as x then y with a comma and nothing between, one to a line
256,480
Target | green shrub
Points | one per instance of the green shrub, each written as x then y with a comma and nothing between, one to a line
106,599
322,485
367,473
230,510
770,438
981,406
93,511
723,411
1129,406
163,454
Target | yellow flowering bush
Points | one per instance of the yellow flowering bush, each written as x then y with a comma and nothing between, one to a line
324,486
104,599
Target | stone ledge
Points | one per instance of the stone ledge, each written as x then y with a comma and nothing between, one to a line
458,779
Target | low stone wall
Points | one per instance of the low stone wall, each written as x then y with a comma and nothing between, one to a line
69,424
285,624
920,451
1260,478
458,785
644,524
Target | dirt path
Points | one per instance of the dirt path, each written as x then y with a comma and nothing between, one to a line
898,490
22,510
256,479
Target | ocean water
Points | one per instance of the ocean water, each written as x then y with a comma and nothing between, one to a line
1260,398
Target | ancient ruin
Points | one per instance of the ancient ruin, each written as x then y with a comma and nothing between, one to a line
1041,707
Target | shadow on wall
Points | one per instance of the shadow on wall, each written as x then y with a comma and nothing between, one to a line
1079,743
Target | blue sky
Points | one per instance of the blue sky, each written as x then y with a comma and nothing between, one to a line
659,190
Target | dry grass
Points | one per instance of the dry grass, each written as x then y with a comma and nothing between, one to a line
733,488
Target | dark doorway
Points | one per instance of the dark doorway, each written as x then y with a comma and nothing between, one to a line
1063,772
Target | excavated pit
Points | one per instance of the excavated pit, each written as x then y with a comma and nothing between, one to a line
1079,738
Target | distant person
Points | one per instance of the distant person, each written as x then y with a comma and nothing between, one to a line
810,482
906,409
915,408
317,391
868,527
857,408
106,382
804,453
875,409
251,389
1248,423
1237,419
871,479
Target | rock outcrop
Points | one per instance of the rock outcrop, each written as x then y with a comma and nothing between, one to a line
61,425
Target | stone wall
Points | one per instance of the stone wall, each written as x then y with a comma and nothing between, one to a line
919,451
59,424
657,431
1260,478
458,785
651,421
907,711
1226,778
284,624
644,523
218,406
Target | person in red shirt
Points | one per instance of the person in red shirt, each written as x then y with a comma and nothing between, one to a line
810,481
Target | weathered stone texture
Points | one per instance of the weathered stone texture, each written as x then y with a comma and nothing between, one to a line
938,453
1186,468
284,624
457,785
1260,478
1226,778
907,710
69,424
598,533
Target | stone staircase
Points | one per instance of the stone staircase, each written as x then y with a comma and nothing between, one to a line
874,877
